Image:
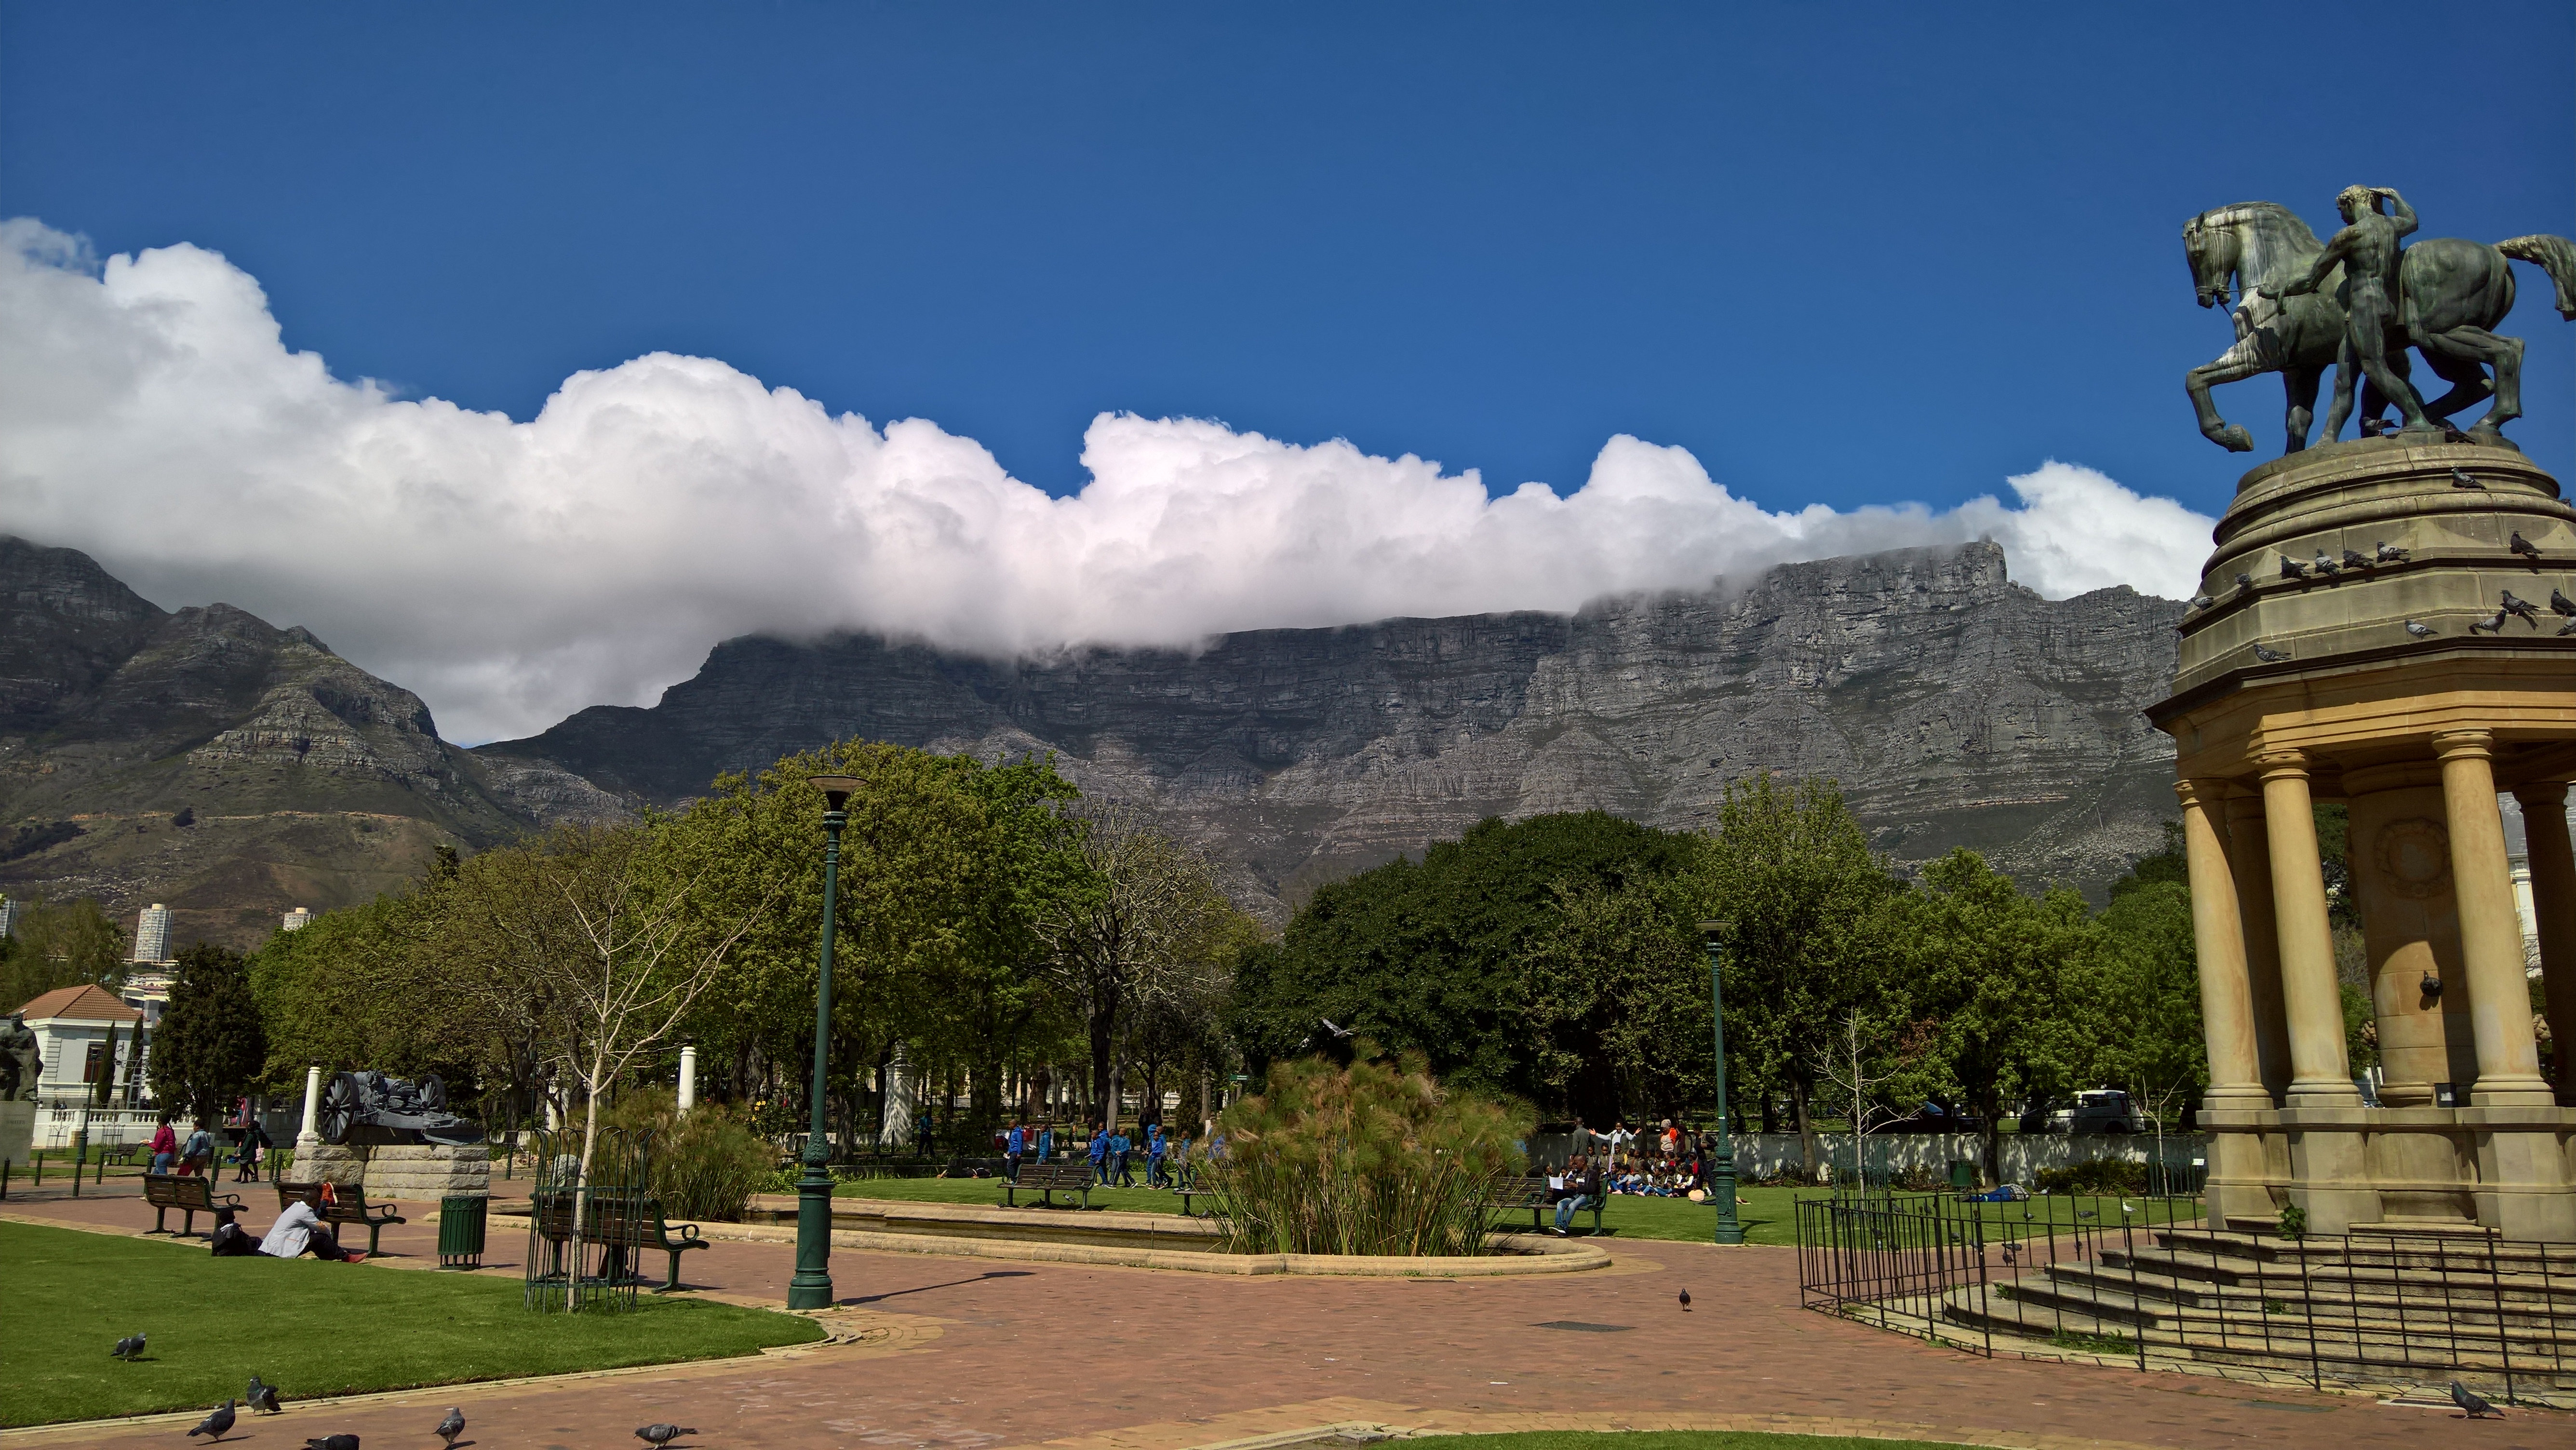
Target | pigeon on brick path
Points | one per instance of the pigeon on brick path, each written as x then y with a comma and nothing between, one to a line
1685,1297
658,1436
261,1398
2420,630
2467,1399
2525,547
216,1424
332,1442
129,1349
452,1426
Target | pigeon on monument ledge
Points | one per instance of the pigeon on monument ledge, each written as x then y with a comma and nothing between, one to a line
331,1442
129,1348
2460,478
2391,554
2420,630
1685,1298
2525,547
658,1436
2521,609
2488,626
2267,654
2352,559
2244,581
262,1398
216,1424
2326,565
2202,601
2467,1399
2559,603
2290,568
2567,629
451,1427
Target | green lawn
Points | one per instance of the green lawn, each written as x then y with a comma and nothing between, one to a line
1664,1440
1766,1214
307,1327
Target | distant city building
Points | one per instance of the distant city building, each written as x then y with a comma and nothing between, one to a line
152,934
8,915
147,992
296,920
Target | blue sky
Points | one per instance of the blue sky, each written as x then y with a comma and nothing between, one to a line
1843,254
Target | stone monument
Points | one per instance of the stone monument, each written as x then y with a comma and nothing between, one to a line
22,1066
2390,623
393,1138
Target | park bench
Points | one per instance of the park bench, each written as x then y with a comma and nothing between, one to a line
189,1194
1530,1191
625,1227
349,1207
1048,1180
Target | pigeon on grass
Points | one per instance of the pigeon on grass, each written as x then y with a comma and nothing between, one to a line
129,1349
451,1427
262,1398
331,1442
658,1436
216,1425
2467,1399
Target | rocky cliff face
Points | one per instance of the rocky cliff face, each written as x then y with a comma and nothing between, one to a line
212,762
1956,708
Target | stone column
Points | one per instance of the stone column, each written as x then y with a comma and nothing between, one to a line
2490,931
2320,1072
312,1102
2249,860
2322,1118
688,1078
2231,1112
2553,910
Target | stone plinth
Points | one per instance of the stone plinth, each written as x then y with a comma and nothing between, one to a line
17,1131
422,1172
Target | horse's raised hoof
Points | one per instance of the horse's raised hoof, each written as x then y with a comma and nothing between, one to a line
2234,439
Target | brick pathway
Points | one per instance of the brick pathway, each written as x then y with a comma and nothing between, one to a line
1132,1359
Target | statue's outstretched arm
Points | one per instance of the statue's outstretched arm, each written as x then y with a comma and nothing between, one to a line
2398,211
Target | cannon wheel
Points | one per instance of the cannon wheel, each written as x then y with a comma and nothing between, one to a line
339,1108
433,1093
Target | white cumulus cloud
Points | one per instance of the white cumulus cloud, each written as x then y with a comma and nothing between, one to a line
510,573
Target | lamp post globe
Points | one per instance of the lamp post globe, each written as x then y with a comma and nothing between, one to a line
811,1288
1713,935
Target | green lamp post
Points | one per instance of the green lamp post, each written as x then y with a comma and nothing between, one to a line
811,1288
1713,934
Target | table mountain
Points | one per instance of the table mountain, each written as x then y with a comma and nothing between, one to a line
213,762
1956,707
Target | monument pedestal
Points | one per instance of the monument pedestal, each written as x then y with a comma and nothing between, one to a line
419,1172
17,1131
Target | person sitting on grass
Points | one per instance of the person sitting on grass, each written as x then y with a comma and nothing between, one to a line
229,1240
299,1231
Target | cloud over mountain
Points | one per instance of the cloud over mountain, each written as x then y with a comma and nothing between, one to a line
151,414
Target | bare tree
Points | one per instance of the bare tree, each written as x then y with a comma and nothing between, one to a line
1844,1068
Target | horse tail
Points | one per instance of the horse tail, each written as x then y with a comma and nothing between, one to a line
2557,256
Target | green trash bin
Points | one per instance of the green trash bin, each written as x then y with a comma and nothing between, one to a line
460,1231
1963,1174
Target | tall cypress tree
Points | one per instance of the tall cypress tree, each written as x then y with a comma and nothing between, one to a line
210,1047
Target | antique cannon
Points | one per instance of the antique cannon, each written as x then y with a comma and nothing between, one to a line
369,1107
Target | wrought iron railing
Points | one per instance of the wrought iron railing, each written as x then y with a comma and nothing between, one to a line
2139,1279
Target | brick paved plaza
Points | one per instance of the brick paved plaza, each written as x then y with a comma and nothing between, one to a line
975,1353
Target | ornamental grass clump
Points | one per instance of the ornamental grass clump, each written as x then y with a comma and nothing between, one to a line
1375,1158
705,1163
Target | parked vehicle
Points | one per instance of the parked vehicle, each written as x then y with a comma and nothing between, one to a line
1932,1118
2102,1110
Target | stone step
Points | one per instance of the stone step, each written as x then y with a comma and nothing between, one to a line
2523,1291
2449,1245
2538,1337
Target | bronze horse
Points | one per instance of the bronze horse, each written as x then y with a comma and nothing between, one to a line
2452,292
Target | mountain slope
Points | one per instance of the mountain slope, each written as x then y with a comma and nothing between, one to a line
1956,707
213,762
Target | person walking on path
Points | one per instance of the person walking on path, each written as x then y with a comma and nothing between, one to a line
1100,1156
1120,1145
165,1146
253,1150
1014,1148
1155,1148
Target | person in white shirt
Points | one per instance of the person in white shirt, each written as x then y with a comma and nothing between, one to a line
299,1231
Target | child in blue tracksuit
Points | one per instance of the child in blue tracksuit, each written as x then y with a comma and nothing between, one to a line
1100,1155
1155,1148
1046,1145
1119,1174
1014,1148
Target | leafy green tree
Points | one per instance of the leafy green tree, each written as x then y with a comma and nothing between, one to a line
1616,986
1435,956
54,945
1808,939
211,1046
1989,968
2140,1003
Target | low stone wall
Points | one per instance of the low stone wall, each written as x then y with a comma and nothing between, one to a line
1777,1155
